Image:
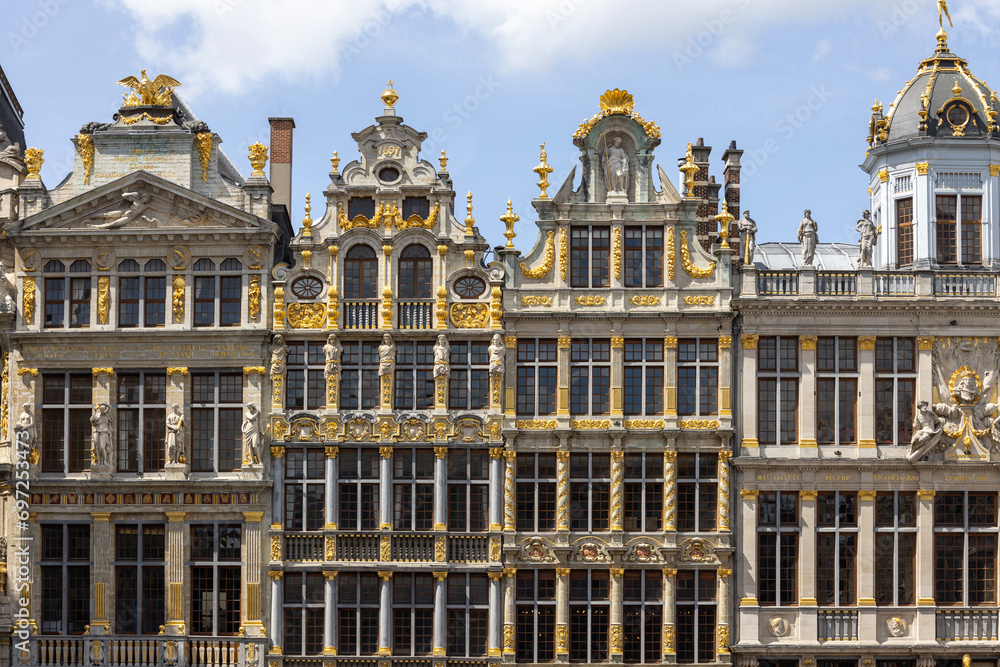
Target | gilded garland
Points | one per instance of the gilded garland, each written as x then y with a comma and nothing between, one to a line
671,252
616,249
689,266
547,260
205,142
563,253
85,144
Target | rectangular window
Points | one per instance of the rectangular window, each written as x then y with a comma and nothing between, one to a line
895,390
536,493
590,377
129,291
590,255
904,225
359,489
413,489
414,376
836,390
65,567
537,377
697,377
947,242
642,616
305,384
972,230
777,390
66,429
696,616
412,614
140,597
468,615
216,420
154,301
469,384
302,605
644,257
589,612
304,489
357,613
229,300
697,492
777,548
215,579
836,548
590,492
643,391
965,545
643,508
359,388
535,613
895,548
204,301
142,415
468,490
55,302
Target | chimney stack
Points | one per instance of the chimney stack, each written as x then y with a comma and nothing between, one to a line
281,161
731,173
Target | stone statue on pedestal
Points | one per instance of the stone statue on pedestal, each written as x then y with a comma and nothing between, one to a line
869,237
102,449
251,435
279,355
616,168
748,228
386,356
498,357
175,435
332,351
808,237
442,357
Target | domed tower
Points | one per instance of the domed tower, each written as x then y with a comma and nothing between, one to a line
934,163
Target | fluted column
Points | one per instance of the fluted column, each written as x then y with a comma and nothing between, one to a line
278,491
562,491
385,613
562,614
669,606
617,372
670,491
496,486
253,550
509,591
722,638
748,388
563,375
175,573
102,552
330,486
866,387
509,523
495,614
807,394
385,488
615,642
277,622
510,376
330,644
670,377
440,613
724,491
725,377
440,488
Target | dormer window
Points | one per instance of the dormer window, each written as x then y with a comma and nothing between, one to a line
419,206
361,206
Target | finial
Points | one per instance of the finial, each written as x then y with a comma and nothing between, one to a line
390,96
957,89
510,219
689,170
335,161
33,161
877,108
469,220
307,221
444,162
543,170
725,219
942,7
258,158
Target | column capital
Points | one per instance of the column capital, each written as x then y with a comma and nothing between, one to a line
385,575
808,495
385,451
177,371
440,452
275,574
867,495
253,517
725,342
670,342
510,457
509,571
176,517
562,571
96,371
724,573
330,575
925,343
254,370
616,571
100,517
495,576
670,572
563,457
926,494
749,341
440,576
564,342
749,494
496,452
808,343
867,343
332,451
617,342
510,342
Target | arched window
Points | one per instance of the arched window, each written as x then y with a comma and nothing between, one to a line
360,273
415,273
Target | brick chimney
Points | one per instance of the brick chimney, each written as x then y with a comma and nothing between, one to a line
281,161
706,189
731,176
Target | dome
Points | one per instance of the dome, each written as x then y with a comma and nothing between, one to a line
944,100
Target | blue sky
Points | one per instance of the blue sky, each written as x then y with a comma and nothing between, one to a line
792,82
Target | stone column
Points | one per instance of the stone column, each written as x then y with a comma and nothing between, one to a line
102,544
669,607
670,379
496,486
440,488
510,377
866,567
724,491
333,306
725,377
253,550
103,389
509,591
562,614
562,491
925,369
617,374
442,291
670,491
925,630
617,488
385,488
563,375
807,567
277,392
746,580
387,308
807,397
385,613
330,486
723,636
175,573
748,388
615,642
277,623
866,404
330,643
278,492
496,613
440,628
509,523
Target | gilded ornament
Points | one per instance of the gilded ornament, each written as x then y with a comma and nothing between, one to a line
591,300
331,548
645,300
279,307
385,549
496,308
470,222
509,219
307,221
508,637
470,315
33,161
158,92
884,175
562,638
495,549
306,315
103,299
85,144
389,95
536,424
536,301
510,342
808,342
258,158
616,639
616,250
617,342
995,170
617,102
924,167
671,254
693,424
589,424
159,120
33,372
866,343
924,343
725,342
689,266
359,221
749,494
253,294
670,342
725,220
439,550
543,170
563,253
178,298
4,393
178,257
253,370
699,300
689,170
277,451
750,341
547,260
668,637
332,307
275,547
644,423
205,145
723,639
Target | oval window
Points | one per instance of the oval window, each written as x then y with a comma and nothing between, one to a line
958,115
307,288
389,175
469,287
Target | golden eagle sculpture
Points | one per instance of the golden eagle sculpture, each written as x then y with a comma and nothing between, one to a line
156,92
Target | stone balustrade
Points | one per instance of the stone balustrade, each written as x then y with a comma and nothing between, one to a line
866,283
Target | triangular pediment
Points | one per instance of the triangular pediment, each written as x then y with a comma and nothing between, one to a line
141,203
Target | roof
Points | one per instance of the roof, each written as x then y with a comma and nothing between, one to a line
788,256
11,113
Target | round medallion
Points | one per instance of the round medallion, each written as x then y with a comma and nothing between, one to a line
307,287
469,287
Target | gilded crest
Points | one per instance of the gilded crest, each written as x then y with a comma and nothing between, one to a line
535,550
697,550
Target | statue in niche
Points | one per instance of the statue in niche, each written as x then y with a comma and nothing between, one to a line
498,357
748,228
616,168
808,237
386,357
102,449
251,435
869,237
279,355
442,357
25,427
332,351
175,435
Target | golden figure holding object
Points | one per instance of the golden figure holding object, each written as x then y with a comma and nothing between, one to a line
149,92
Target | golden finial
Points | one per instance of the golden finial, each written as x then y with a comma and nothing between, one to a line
33,161
444,162
258,158
335,161
877,108
725,219
543,170
510,219
689,170
469,220
307,221
957,89
390,96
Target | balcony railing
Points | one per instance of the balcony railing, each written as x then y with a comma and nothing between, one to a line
895,284
361,314
965,285
837,625
358,547
415,314
468,548
304,547
413,548
866,283
966,625
138,651
778,283
836,284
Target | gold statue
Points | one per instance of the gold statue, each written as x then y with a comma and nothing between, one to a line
149,92
943,12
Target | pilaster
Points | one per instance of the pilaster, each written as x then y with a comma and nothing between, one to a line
562,401
508,492
866,408
102,552
385,488
748,388
440,624
175,573
670,492
615,642
440,488
866,567
562,491
509,591
808,605
807,397
669,610
617,489
253,548
562,614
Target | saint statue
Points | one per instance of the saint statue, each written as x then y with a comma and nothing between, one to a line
251,435
869,237
442,357
25,427
616,168
498,357
102,450
279,355
748,228
808,237
175,435
332,351
927,432
386,356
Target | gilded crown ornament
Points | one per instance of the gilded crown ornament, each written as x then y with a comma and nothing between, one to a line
390,96
470,222
543,170
258,158
510,219
33,161
307,221
725,219
149,93
617,102
443,160
689,169
335,162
